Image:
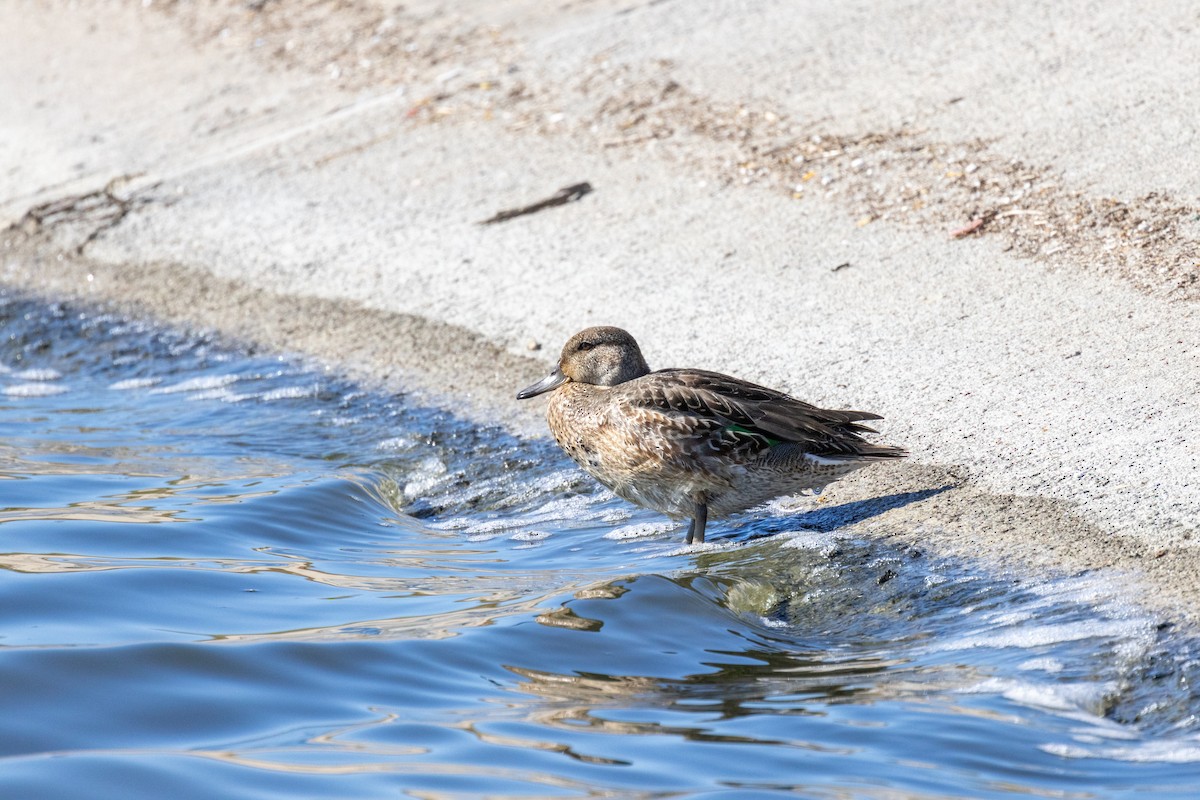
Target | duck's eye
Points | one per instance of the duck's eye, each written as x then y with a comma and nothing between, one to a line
585,345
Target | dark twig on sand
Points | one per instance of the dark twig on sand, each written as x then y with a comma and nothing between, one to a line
567,194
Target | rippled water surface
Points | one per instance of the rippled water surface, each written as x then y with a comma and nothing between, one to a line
232,576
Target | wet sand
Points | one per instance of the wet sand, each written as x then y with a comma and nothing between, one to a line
948,226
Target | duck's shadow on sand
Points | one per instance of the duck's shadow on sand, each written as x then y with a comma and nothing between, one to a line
831,518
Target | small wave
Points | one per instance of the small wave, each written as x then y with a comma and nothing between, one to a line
289,393
398,444
809,540
1028,636
428,475
642,530
684,549
478,531
1084,699
34,389
203,383
220,393
37,375
531,536
134,383
582,508
1181,751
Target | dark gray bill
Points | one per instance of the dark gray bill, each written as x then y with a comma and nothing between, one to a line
551,381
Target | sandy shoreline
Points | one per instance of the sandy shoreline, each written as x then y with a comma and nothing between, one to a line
324,198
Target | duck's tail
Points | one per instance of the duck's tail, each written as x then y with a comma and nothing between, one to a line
850,423
879,452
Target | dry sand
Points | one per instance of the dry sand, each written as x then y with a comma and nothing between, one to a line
981,223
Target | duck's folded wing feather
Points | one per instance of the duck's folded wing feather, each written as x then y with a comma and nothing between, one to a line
755,409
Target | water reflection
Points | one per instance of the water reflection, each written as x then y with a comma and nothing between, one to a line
94,511
773,670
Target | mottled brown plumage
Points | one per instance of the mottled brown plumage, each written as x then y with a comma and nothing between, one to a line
692,443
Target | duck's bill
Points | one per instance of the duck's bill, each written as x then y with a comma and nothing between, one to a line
551,381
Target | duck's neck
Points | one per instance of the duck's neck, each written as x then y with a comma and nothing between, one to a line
631,366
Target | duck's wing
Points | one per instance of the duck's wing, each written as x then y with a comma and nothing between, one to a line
740,407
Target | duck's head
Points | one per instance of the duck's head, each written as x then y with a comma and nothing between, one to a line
601,356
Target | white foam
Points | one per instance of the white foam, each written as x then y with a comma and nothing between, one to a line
519,491
1012,617
615,514
427,476
207,382
491,527
706,547
452,524
1131,629
530,536
38,375
1181,751
574,507
1083,700
641,530
559,479
34,389
809,540
397,444
219,393
1027,636
289,393
135,383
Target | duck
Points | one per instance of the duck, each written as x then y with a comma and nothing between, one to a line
690,443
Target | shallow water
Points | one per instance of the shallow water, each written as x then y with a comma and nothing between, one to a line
237,576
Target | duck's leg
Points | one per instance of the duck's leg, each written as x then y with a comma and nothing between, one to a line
699,520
